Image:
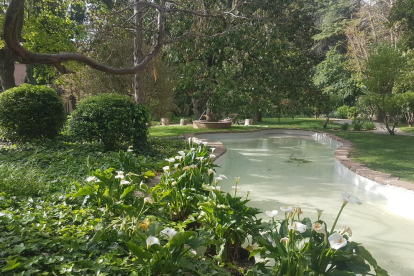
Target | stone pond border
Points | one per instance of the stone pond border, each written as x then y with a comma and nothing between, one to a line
355,172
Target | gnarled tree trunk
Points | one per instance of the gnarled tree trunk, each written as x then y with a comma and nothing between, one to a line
7,69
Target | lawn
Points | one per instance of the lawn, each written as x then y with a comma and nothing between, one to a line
407,129
384,153
300,123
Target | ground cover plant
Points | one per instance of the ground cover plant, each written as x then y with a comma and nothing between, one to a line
114,223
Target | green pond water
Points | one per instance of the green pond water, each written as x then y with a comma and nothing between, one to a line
296,170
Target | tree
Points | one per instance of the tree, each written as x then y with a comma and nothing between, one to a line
164,13
333,76
383,68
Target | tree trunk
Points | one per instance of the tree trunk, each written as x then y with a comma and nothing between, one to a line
391,131
139,95
257,116
6,69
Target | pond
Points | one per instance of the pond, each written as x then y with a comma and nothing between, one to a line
291,168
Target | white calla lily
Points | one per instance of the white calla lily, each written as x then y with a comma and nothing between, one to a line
286,209
166,168
182,153
169,232
350,198
272,213
297,226
318,228
151,241
337,241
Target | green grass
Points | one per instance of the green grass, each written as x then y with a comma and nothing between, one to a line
406,129
384,153
300,123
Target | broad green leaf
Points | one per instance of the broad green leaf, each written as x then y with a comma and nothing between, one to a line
84,191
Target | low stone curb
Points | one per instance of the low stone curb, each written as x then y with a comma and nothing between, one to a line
341,154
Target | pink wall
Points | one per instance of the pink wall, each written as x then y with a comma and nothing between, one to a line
19,73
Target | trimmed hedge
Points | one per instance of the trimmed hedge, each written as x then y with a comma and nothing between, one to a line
112,119
29,112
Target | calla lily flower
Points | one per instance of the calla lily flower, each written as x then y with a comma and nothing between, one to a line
170,160
200,158
212,156
125,182
286,209
210,171
346,231
319,212
223,176
212,150
151,241
285,240
272,213
182,153
148,200
166,168
337,241
318,228
169,232
297,226
120,174
178,157
176,165
91,179
192,149
130,150
350,198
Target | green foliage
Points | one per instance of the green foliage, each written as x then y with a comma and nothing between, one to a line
352,113
47,167
368,125
333,76
344,126
383,68
29,112
299,247
342,112
112,119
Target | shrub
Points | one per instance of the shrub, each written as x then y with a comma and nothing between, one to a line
342,112
111,119
352,112
344,126
28,112
357,124
368,125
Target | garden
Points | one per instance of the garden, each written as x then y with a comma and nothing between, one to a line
102,171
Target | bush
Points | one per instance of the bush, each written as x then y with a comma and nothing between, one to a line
344,126
342,112
112,119
29,112
352,112
357,124
368,125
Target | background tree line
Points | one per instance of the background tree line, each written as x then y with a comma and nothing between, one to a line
272,58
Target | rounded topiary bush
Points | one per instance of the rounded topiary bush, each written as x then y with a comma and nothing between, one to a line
28,112
110,118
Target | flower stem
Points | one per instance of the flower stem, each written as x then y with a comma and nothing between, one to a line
337,217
